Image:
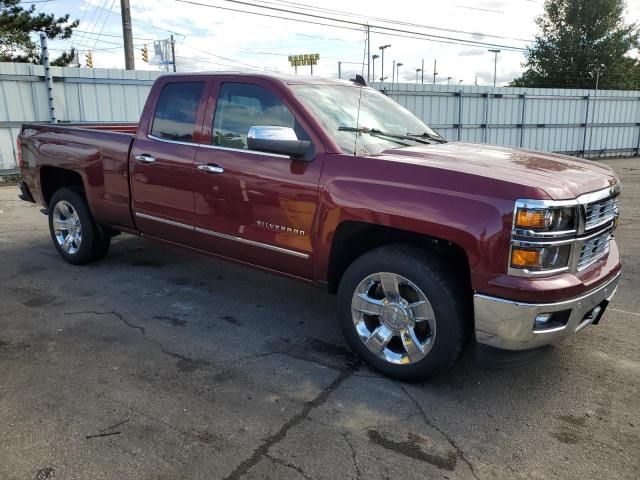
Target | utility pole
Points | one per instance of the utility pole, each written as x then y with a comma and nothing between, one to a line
48,81
422,70
382,49
434,71
173,53
476,81
127,35
495,64
339,69
368,54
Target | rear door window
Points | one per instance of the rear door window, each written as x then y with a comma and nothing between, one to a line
241,106
175,115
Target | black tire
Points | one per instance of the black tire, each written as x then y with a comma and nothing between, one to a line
445,294
93,245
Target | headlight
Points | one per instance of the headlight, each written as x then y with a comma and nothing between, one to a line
537,259
555,219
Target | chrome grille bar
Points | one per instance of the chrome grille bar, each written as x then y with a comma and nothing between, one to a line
594,249
601,212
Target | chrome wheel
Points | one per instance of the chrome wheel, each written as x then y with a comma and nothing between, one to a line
393,318
66,227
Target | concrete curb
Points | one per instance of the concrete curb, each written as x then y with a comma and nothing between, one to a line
9,178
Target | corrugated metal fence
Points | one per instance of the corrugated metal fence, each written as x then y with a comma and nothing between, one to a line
577,122
80,95
582,122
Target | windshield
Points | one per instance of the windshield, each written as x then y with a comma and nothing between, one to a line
336,107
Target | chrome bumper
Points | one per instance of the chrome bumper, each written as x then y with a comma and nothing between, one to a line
509,325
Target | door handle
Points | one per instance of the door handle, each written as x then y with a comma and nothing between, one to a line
145,158
210,168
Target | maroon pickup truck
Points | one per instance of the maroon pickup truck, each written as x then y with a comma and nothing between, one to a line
427,243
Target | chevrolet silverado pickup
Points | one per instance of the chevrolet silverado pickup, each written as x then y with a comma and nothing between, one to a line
428,244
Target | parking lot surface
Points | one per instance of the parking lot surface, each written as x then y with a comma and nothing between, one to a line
159,364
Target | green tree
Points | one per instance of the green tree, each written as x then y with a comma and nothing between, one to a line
579,38
18,29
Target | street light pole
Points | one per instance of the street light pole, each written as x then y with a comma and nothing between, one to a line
435,62
449,80
495,64
339,69
418,70
422,70
382,49
373,73
398,65
393,74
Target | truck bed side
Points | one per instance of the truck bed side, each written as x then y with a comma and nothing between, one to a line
93,156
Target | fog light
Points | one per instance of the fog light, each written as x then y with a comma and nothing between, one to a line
543,319
551,321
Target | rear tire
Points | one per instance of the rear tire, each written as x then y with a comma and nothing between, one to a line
403,311
73,231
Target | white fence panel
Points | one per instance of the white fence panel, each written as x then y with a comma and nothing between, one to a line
579,122
80,95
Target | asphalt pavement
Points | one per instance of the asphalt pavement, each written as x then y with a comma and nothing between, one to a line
160,364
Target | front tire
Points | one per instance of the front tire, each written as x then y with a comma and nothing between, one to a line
403,312
73,231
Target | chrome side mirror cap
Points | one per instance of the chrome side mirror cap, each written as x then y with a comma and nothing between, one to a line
268,132
280,141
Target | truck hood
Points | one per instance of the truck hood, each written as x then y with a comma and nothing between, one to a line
560,176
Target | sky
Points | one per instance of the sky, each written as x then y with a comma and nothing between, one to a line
216,39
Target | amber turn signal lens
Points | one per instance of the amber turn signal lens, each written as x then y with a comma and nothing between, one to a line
525,258
532,219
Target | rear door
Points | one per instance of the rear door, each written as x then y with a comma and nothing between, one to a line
252,206
162,161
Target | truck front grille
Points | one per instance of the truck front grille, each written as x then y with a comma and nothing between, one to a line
601,212
594,249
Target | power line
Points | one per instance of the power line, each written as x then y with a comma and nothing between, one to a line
305,6
245,65
104,23
116,36
93,15
380,27
386,30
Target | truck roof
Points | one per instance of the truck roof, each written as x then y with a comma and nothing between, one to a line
284,78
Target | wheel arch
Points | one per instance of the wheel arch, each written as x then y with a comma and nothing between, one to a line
54,178
353,239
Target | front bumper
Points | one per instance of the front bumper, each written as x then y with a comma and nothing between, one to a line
510,325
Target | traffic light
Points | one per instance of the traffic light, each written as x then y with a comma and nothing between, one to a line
89,60
145,54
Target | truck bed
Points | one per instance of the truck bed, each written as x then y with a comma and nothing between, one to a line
97,152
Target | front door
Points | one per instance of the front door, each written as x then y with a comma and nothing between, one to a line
252,206
162,164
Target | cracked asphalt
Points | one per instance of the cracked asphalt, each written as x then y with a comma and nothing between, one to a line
162,365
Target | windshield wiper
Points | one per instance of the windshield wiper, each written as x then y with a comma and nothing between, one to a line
428,136
379,133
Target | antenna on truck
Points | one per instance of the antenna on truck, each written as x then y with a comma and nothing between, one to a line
359,80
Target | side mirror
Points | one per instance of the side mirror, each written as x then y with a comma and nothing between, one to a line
279,140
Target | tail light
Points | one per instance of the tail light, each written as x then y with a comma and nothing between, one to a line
19,152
